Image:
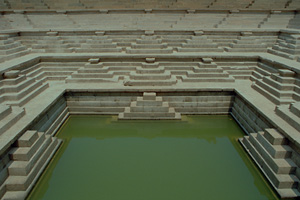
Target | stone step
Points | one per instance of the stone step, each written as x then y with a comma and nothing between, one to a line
284,184
25,183
276,151
295,108
10,119
149,51
14,55
203,110
102,110
149,96
149,46
265,68
154,103
285,113
245,49
17,87
197,99
100,103
200,75
98,46
251,45
141,70
279,166
23,168
5,110
27,139
93,75
162,76
13,50
168,82
150,41
274,137
20,94
279,86
286,50
205,79
200,104
181,49
26,153
208,70
149,115
271,97
199,45
279,53
9,46
28,96
283,80
12,82
151,109
97,50
114,79
274,91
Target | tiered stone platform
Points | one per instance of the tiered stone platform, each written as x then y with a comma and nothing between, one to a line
149,60
149,107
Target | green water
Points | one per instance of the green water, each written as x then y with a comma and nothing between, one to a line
197,158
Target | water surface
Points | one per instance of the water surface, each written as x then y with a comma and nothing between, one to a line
197,158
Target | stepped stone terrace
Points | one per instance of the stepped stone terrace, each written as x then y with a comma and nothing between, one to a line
149,60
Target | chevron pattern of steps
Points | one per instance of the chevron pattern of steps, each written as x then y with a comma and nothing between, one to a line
33,152
149,106
150,73
273,156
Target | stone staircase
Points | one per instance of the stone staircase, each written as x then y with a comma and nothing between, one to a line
93,72
238,70
270,151
10,49
249,43
101,44
280,88
150,74
287,46
149,106
149,44
18,89
28,160
290,113
199,43
52,71
207,71
9,116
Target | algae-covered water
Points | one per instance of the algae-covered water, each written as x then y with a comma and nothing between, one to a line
196,158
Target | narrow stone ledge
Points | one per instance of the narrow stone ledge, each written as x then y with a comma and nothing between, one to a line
94,60
150,60
11,74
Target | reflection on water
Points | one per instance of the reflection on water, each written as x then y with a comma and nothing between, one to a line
196,158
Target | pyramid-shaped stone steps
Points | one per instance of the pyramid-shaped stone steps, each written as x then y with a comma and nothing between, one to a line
9,48
207,71
278,87
149,107
269,151
33,152
148,74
